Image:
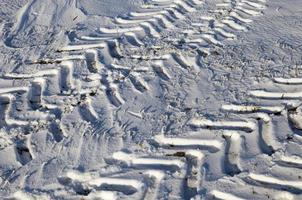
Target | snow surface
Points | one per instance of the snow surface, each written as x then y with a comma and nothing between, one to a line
150,99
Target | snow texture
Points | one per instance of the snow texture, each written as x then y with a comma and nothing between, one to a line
150,99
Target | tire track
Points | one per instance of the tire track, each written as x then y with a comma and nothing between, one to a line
178,160
33,105
47,95
151,21
263,109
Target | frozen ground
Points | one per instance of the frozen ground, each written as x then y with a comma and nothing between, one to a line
154,99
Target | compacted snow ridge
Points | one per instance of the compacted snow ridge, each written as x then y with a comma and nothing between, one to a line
150,99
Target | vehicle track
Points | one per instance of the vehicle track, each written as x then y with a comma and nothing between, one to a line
186,158
167,165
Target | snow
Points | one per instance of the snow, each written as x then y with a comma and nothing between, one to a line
153,99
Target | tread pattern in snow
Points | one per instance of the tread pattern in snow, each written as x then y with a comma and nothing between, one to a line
166,163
